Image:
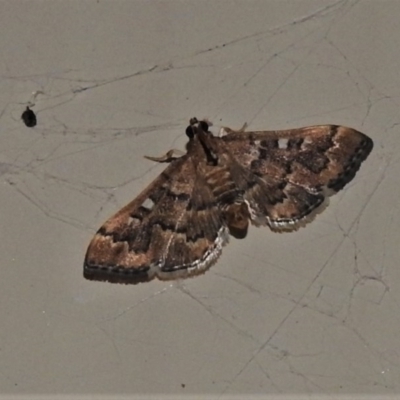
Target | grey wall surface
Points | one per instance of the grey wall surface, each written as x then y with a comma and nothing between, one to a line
310,312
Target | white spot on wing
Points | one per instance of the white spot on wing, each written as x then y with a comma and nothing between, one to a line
283,143
307,142
148,203
222,132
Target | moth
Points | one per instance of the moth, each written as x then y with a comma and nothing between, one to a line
177,226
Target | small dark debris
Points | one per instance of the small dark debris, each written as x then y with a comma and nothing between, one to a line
29,118
183,385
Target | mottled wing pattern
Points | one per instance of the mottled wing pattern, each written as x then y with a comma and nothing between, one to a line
291,172
172,229
177,226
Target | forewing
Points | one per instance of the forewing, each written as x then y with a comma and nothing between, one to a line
172,229
293,170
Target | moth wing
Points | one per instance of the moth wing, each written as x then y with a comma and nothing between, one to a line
292,171
172,229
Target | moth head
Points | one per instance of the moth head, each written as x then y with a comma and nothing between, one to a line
196,126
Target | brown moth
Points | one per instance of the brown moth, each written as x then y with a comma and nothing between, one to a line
177,226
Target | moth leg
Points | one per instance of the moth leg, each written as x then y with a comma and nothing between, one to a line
168,156
227,131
